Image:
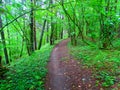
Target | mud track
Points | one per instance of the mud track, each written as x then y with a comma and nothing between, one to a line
65,73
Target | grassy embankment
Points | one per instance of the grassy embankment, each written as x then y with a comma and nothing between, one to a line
104,63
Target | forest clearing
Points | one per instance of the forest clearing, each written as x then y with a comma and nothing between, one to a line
59,44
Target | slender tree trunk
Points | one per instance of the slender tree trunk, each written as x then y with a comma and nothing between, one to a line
0,61
8,32
31,32
4,44
74,35
41,36
52,34
25,39
1,54
55,31
61,33
22,47
47,32
105,28
70,31
33,29
52,27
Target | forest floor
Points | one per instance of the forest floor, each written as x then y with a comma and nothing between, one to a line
66,73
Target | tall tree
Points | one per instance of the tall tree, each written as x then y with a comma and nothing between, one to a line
52,26
4,43
3,39
42,33
33,45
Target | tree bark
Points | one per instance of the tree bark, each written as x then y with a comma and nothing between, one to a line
4,43
52,27
47,32
33,29
61,33
41,36
0,61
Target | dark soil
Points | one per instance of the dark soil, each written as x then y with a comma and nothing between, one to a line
66,73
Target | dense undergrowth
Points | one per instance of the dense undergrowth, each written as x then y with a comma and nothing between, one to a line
104,63
28,73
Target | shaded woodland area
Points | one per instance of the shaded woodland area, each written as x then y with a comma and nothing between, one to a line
28,25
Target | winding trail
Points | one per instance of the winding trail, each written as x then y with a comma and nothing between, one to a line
65,73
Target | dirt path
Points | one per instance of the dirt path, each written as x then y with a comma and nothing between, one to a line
66,73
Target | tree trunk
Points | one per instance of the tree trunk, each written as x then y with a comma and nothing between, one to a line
4,43
22,47
31,32
47,32
61,33
1,54
52,34
41,36
0,61
33,29
52,27
8,33
105,28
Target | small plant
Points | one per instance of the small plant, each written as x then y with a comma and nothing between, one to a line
108,81
28,73
119,85
105,63
97,83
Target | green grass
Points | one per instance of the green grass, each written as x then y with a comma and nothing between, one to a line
105,63
28,73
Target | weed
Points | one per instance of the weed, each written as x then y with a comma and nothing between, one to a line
28,73
105,63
